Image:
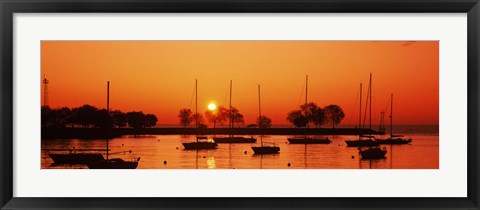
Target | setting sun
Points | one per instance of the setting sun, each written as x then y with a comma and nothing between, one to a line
212,106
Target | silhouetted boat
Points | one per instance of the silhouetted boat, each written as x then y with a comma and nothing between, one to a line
204,144
373,153
231,138
363,142
234,139
114,163
75,158
266,149
394,139
263,149
305,139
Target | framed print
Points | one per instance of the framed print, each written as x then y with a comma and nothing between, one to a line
239,105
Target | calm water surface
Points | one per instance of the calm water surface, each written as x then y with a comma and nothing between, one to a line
154,150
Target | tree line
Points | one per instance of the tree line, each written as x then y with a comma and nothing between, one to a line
307,114
220,116
312,114
88,116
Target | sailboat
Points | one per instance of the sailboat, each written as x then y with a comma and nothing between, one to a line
200,142
114,163
363,142
263,149
373,153
394,139
305,139
231,138
72,157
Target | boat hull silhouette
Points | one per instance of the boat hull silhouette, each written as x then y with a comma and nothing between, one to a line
200,145
394,141
361,143
308,141
266,150
115,163
373,153
221,140
81,158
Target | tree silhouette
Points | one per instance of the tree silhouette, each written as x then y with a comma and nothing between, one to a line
264,122
198,119
136,120
333,114
102,119
150,120
46,116
220,115
236,117
185,117
119,118
297,118
58,118
318,117
84,115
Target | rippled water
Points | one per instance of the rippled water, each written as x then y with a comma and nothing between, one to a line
166,152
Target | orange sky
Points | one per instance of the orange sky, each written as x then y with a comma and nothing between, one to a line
158,76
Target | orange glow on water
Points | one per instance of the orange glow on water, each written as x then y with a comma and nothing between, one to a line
158,76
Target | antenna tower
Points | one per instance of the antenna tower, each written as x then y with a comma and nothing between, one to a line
45,90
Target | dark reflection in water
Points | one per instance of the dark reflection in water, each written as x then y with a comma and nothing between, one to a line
166,152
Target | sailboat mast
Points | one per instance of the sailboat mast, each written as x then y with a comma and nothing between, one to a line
360,110
108,107
370,87
196,109
391,116
230,110
260,116
306,91
306,101
360,113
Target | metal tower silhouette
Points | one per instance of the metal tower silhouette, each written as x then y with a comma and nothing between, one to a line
45,90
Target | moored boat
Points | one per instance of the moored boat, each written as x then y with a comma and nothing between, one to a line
263,149
231,138
114,163
75,158
393,139
306,139
200,142
373,153
234,139
370,141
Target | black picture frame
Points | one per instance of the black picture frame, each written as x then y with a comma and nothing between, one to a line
9,7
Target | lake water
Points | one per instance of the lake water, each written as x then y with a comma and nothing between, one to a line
166,152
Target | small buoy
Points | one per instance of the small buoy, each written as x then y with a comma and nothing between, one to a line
164,162
203,156
122,145
353,157
158,140
176,148
289,164
339,145
245,152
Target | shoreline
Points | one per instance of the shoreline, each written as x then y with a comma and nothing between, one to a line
97,133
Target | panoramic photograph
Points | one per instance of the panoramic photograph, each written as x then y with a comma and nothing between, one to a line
239,105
